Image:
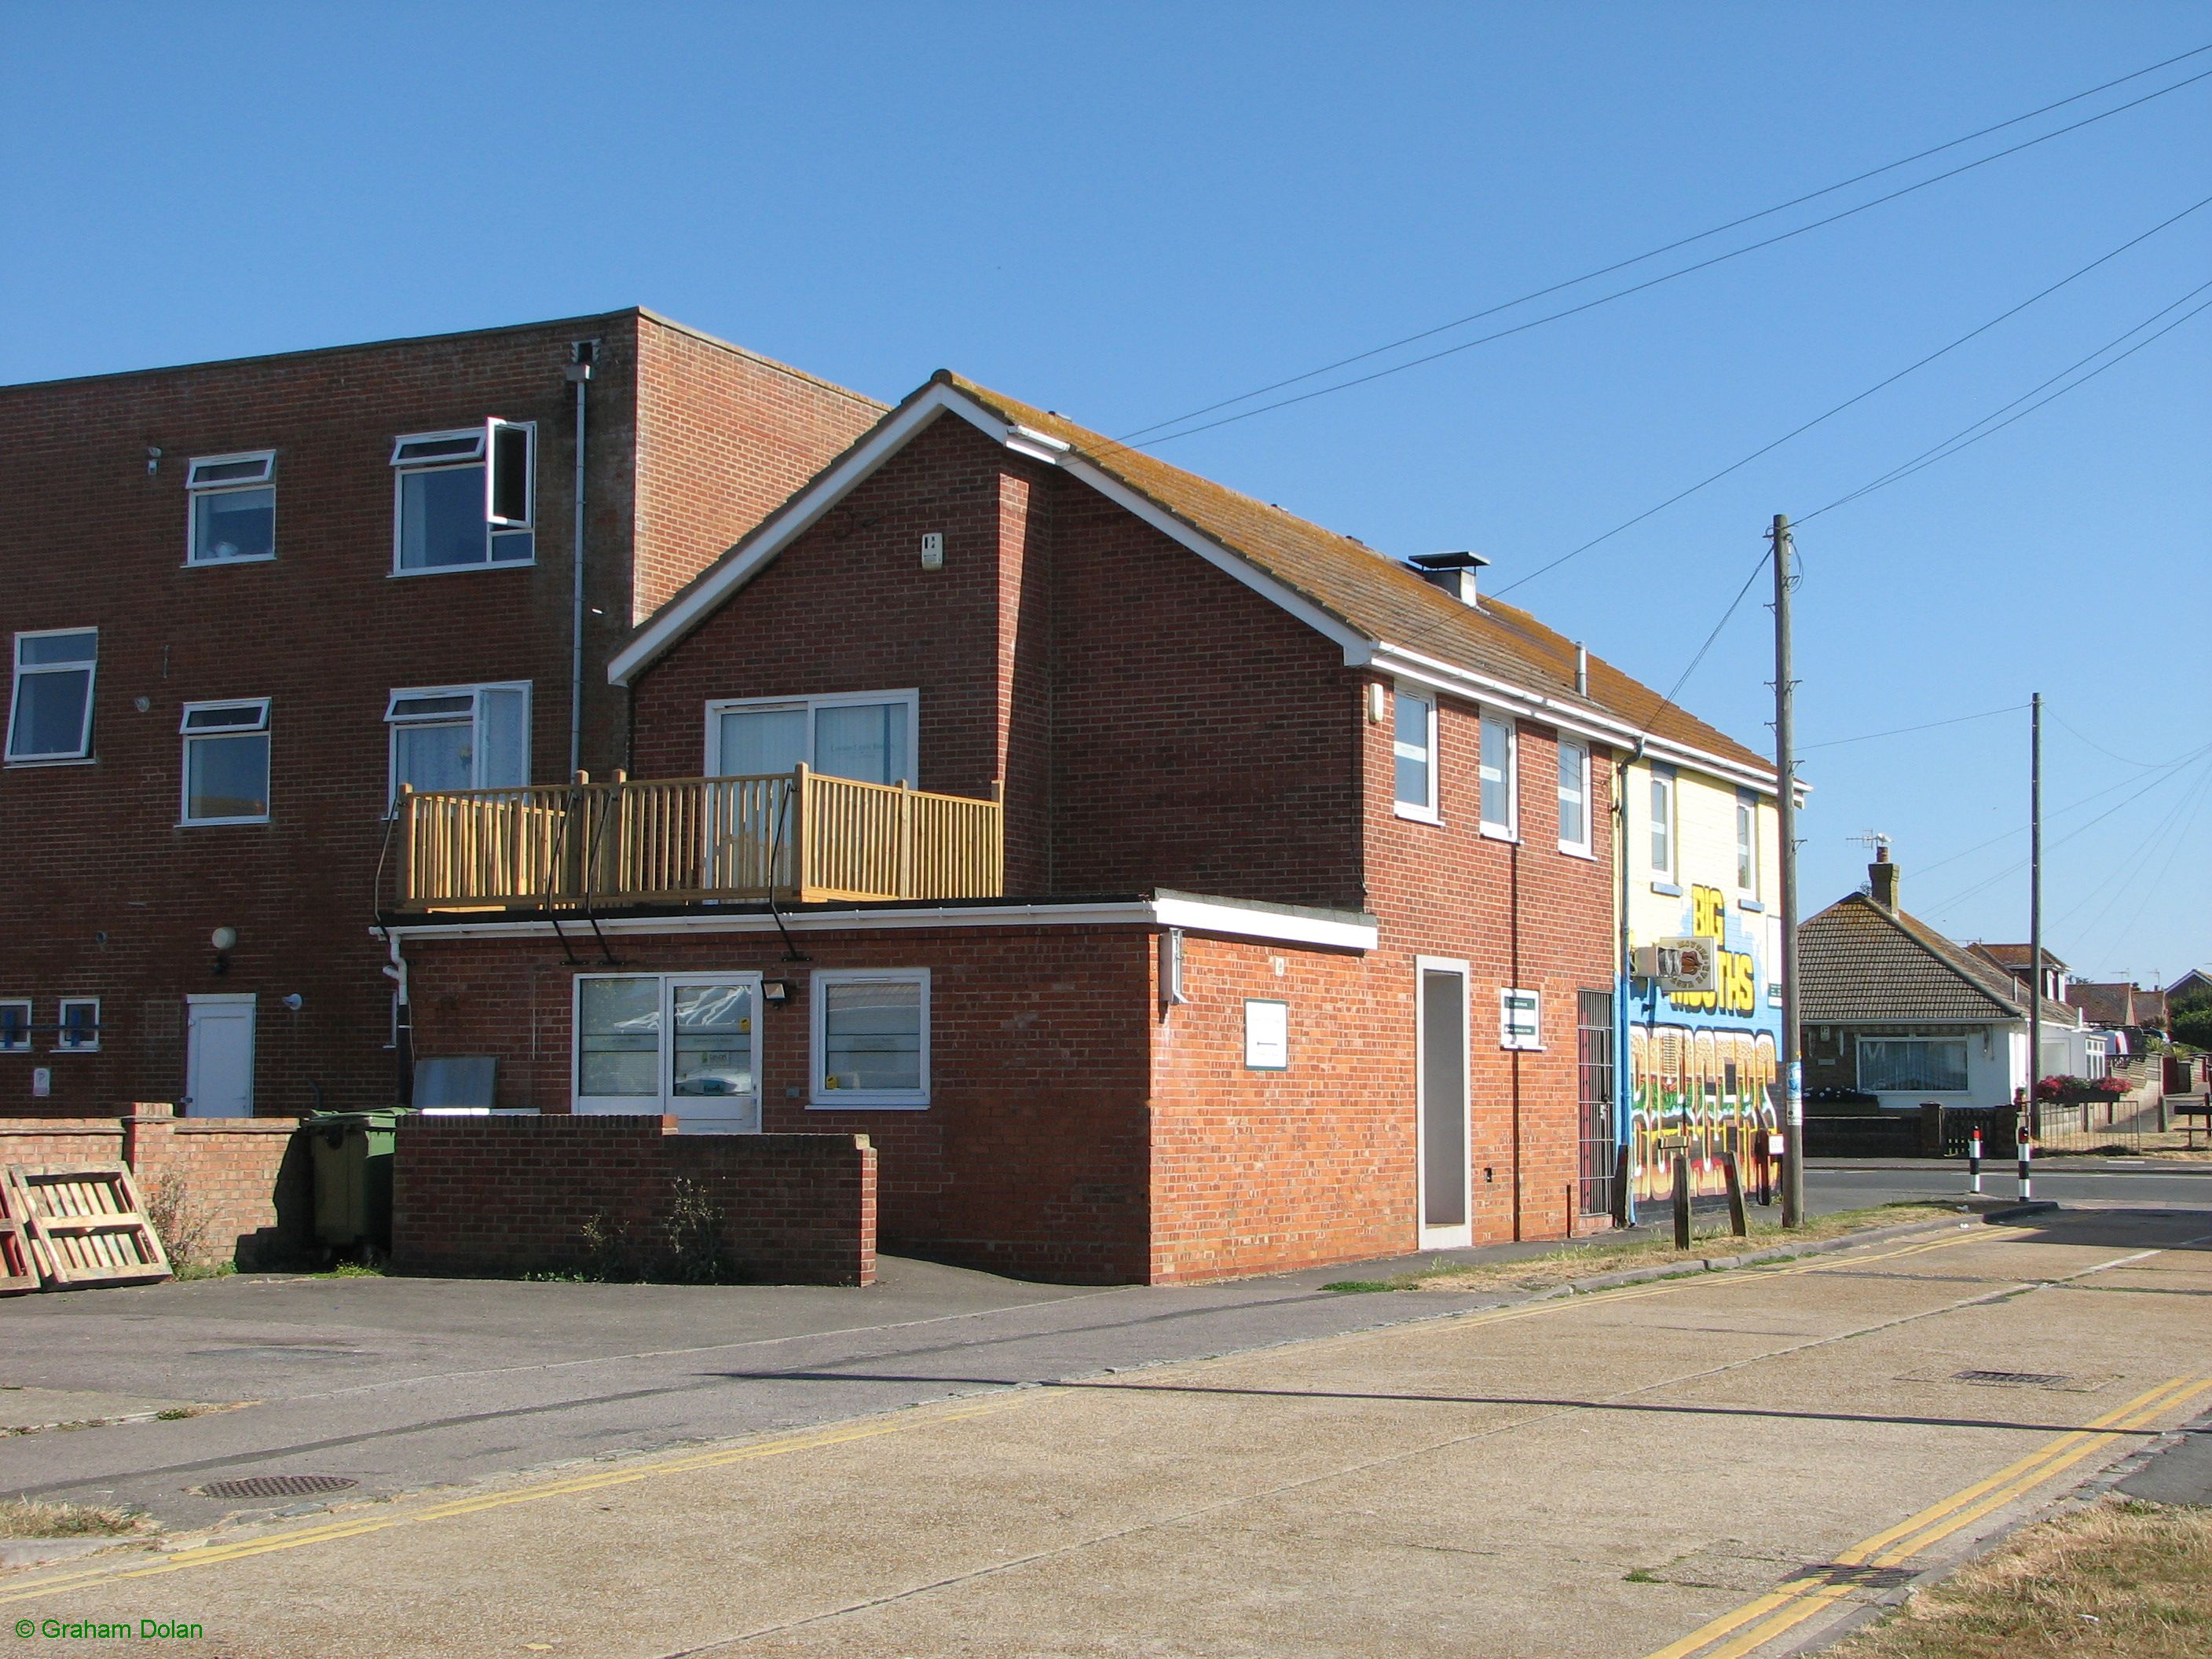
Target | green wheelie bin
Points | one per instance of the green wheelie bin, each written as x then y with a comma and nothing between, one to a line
352,1157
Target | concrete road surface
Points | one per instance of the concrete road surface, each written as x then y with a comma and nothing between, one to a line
1692,1468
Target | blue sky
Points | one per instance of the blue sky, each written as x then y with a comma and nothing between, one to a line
1123,213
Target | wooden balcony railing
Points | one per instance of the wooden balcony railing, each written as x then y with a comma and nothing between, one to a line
798,837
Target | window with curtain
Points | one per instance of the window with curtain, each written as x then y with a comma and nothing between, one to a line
1933,1065
870,737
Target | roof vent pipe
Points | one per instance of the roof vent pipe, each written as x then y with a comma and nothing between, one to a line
1582,670
1452,571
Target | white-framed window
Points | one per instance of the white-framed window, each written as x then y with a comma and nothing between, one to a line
80,1026
465,499
1747,844
1520,1019
867,735
1414,743
1574,797
1926,1065
1663,825
226,771
871,1041
14,1025
687,1045
460,737
1498,767
234,508
50,711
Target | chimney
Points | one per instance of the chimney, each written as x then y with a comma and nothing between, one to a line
1452,571
1884,875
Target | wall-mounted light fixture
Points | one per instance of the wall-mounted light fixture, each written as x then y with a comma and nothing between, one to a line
225,940
296,1002
775,991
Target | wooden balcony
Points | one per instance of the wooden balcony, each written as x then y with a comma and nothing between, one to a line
799,838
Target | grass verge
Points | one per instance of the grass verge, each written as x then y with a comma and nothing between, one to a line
24,1517
1573,1261
2119,1579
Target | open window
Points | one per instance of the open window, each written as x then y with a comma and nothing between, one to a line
460,737
50,712
234,508
226,771
465,499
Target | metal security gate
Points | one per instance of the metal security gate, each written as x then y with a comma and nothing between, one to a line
1594,1073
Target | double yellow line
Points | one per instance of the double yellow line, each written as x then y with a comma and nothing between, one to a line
1758,1622
356,1526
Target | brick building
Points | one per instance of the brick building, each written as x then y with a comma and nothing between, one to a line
1169,888
257,595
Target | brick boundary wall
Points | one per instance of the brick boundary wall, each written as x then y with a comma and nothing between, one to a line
246,1178
502,1196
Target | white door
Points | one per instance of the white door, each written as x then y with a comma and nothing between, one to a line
219,1055
1440,1021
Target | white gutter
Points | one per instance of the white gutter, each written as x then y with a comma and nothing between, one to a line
1338,931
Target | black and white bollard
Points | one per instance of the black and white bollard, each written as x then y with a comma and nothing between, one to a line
2027,1153
1974,1161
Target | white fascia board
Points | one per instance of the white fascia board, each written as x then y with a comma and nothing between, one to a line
1568,717
1194,916
1359,648
804,511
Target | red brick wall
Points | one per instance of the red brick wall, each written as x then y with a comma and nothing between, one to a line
724,437
508,1196
1202,738
1031,1156
247,1180
1521,913
109,897
1258,1171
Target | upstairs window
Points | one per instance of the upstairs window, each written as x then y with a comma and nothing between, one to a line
14,1026
227,761
1747,844
868,736
1574,797
50,714
234,508
1498,767
1414,744
80,1026
460,737
465,499
1663,826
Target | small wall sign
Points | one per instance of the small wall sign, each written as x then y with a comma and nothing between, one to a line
42,1082
1266,1034
1520,1019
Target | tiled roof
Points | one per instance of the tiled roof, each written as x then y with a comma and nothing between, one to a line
1858,962
2010,957
1376,595
2113,1004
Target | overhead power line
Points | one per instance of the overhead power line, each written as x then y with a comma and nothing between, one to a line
1900,730
1126,440
1860,397
1968,436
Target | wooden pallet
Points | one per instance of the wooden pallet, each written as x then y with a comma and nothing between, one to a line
18,1272
85,1224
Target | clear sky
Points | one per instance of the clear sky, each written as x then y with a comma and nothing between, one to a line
1126,212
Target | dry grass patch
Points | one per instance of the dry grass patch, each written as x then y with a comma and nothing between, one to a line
1587,1260
23,1517
2119,1580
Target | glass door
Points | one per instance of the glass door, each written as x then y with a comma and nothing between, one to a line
714,1076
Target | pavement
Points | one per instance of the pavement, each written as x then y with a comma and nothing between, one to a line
1731,1463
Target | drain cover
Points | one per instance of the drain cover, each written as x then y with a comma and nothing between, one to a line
2015,1379
276,1486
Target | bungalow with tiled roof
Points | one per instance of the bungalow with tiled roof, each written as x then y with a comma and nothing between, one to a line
1165,886
1891,1008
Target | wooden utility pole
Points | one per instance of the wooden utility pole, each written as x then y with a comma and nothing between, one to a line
1785,770
2034,1113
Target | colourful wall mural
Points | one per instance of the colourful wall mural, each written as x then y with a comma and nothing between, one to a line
1700,1064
